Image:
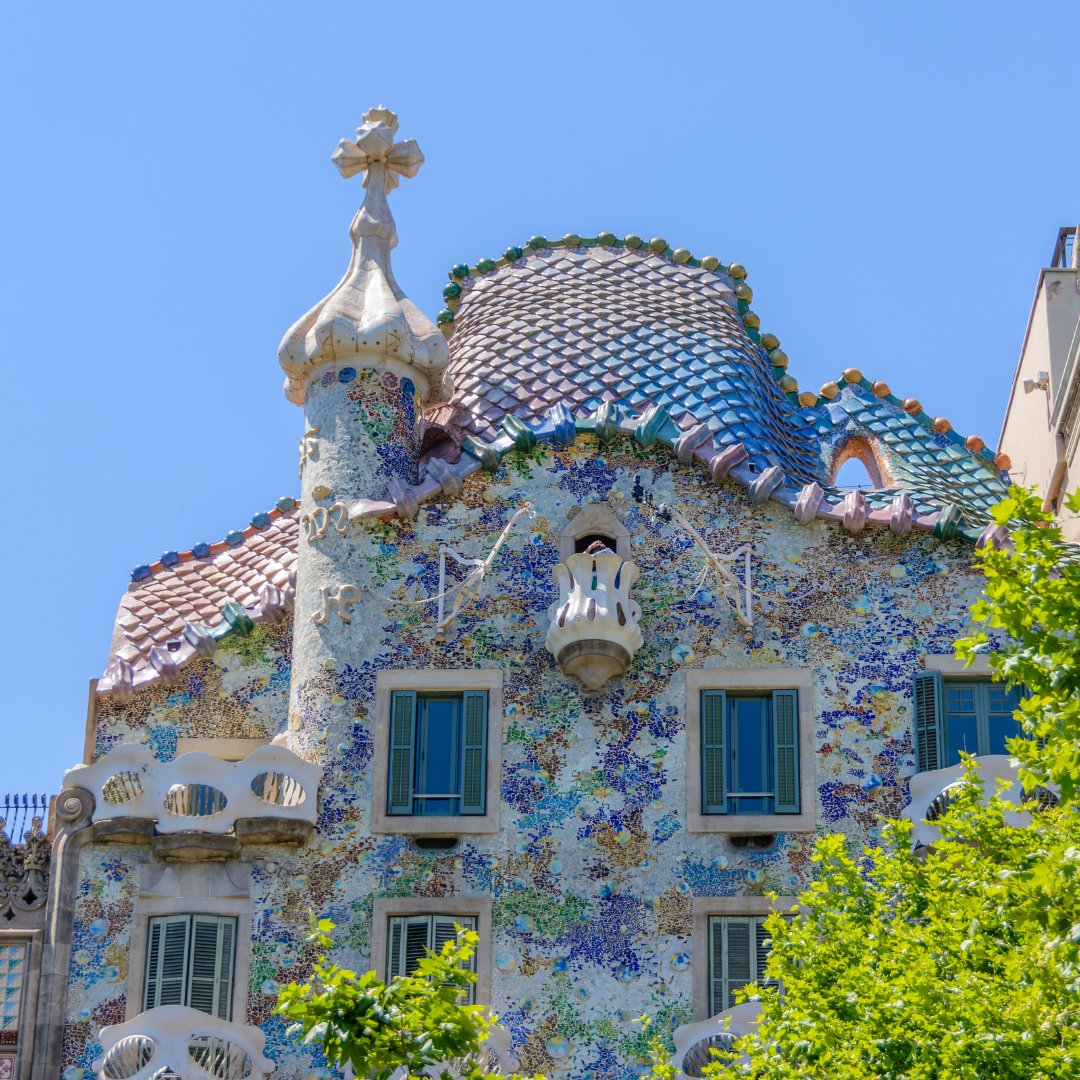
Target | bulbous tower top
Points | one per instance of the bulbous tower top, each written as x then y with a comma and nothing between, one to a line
367,318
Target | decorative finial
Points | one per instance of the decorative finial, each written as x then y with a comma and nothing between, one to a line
367,318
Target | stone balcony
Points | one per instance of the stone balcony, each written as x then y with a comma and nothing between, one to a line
932,792
694,1043
593,632
179,1043
199,807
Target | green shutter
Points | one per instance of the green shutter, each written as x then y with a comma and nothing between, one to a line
928,726
474,751
738,957
713,764
213,951
785,706
399,794
166,961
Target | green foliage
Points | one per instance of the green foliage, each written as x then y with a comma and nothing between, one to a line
1033,596
963,962
376,1027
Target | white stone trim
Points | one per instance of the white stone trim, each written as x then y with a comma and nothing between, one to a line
953,667
478,907
761,678
433,680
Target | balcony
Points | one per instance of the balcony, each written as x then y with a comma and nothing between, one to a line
694,1043
173,1042
198,807
933,792
594,631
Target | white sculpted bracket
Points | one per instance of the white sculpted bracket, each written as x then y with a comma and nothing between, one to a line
198,791
594,632
367,317
931,793
694,1042
173,1040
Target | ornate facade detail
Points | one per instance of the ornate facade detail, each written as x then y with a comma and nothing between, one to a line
594,630
25,871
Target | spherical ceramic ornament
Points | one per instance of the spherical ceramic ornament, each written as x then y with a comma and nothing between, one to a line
880,389
912,405
974,443
852,375
830,390
941,425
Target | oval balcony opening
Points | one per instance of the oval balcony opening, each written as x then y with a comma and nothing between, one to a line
222,1059
701,1053
122,788
127,1057
277,789
195,800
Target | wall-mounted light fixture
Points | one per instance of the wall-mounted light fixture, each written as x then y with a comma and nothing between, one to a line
1041,382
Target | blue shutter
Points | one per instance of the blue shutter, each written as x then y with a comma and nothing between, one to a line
474,723
713,763
399,786
785,709
928,725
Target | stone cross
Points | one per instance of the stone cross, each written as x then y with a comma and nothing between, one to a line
374,152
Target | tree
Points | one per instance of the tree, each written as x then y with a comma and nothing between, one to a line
964,962
413,1022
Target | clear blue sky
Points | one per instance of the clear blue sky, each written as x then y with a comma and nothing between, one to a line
893,177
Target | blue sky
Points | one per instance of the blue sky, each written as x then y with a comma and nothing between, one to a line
892,176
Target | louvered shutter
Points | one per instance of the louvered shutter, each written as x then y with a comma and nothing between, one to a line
713,764
928,725
213,947
399,795
785,706
762,944
444,930
166,961
474,751
738,959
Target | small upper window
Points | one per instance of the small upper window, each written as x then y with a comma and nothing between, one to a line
976,716
854,474
584,543
190,960
750,752
412,937
438,753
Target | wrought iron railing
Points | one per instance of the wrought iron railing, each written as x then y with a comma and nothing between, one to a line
18,812
1064,248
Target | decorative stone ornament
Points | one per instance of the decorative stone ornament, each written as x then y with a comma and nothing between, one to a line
367,318
594,631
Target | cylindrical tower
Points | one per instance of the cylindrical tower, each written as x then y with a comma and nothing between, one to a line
361,362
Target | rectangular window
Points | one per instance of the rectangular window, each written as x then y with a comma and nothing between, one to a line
750,752
738,949
190,960
411,936
953,715
438,753
12,981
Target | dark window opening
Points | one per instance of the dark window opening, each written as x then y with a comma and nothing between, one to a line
583,543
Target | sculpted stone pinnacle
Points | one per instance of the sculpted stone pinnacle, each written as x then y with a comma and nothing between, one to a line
367,318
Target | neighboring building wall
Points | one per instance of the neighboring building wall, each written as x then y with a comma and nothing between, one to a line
591,880
1041,433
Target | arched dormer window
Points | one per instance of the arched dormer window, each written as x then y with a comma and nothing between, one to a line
858,464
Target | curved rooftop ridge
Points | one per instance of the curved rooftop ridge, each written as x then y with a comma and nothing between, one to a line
734,274
206,550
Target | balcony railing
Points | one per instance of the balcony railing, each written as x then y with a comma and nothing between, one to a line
197,791
695,1043
173,1042
1065,251
933,792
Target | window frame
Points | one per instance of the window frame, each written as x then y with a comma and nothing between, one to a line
436,681
188,976
23,1050
430,920
749,681
476,907
707,908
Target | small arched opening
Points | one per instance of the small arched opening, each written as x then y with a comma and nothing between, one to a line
858,464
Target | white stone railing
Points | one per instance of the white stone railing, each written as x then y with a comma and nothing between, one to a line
694,1042
931,793
594,630
198,791
175,1041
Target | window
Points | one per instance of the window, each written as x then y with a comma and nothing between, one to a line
13,974
191,960
951,715
750,752
410,937
438,753
738,949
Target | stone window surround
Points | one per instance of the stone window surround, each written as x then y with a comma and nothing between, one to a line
146,907
594,518
28,997
437,680
704,908
750,679
479,907
951,667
